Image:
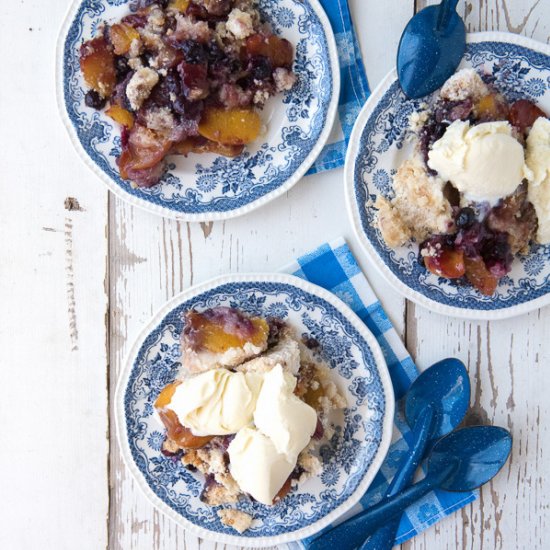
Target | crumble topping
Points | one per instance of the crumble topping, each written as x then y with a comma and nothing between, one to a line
417,119
171,447
239,23
285,353
151,32
160,119
284,79
394,230
240,521
140,86
135,63
260,97
215,494
311,466
187,29
199,361
136,47
418,209
156,20
463,85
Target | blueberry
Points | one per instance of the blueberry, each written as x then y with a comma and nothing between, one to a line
193,51
429,134
260,67
121,67
498,258
234,65
215,53
449,111
465,218
94,100
497,248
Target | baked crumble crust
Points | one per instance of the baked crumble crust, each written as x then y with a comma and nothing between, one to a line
419,207
240,521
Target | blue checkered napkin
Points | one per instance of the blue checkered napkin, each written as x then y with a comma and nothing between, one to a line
354,86
332,266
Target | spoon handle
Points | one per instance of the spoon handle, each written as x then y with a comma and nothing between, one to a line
405,473
351,533
384,537
446,8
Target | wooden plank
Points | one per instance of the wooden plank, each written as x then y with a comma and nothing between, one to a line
153,259
506,361
53,217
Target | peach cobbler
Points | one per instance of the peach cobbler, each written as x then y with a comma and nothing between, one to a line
248,410
184,76
476,192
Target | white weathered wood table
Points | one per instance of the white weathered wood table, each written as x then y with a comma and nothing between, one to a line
81,272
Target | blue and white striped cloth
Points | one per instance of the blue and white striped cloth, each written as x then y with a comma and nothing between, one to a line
354,86
333,267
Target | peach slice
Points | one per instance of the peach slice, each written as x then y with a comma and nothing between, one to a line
181,435
479,276
165,396
121,115
524,113
178,5
313,395
230,127
211,334
122,35
278,50
449,264
145,149
97,64
491,107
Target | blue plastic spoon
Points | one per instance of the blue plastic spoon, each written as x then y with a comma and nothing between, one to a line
435,405
430,49
462,461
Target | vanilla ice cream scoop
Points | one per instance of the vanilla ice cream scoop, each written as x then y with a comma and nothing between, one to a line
216,402
257,466
484,162
283,417
538,160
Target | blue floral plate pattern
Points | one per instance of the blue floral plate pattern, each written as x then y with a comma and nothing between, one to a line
520,68
210,187
350,458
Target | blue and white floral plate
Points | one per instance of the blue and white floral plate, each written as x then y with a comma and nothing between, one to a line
211,187
521,69
350,459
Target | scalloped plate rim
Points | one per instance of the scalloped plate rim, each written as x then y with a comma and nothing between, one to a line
353,208
206,216
387,424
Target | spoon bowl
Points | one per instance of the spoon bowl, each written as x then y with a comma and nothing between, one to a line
430,49
444,387
478,454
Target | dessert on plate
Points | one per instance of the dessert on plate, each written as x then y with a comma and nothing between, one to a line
184,76
248,409
476,191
